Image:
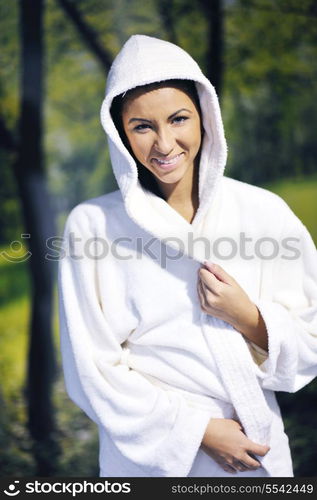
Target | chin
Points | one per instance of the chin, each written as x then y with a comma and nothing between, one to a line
171,177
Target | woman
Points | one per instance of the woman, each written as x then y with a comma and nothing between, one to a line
186,298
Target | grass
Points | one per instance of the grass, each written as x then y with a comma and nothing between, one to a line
14,318
13,344
301,195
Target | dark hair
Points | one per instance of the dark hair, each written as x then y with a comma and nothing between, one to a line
146,178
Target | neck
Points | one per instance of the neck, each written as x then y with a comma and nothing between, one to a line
183,196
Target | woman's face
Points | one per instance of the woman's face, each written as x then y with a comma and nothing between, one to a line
164,132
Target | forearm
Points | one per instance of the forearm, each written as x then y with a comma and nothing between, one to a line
254,329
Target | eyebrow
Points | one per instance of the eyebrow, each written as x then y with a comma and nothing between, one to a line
149,121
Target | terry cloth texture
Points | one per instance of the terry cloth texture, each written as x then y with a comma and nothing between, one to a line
139,356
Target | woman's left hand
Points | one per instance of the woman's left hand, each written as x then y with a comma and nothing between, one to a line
221,296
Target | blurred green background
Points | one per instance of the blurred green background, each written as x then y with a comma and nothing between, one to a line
262,57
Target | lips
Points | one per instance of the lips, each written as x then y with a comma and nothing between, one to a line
167,162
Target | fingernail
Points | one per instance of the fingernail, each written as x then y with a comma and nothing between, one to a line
208,265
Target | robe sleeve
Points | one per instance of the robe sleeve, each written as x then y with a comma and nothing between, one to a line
155,429
291,315
258,354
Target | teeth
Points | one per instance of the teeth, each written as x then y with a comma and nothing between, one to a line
168,162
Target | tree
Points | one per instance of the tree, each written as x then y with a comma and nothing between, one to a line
87,33
38,221
214,47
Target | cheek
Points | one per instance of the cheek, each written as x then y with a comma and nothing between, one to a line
192,139
140,146
197,138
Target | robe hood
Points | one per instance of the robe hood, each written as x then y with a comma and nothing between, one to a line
143,60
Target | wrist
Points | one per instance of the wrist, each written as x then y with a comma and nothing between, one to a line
254,328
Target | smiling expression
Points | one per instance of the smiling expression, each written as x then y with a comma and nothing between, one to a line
163,129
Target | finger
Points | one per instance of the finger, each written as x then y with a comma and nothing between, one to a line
205,289
209,280
238,464
200,289
201,294
242,465
219,272
236,419
251,461
207,298
229,468
258,449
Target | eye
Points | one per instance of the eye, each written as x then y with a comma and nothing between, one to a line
142,127
180,119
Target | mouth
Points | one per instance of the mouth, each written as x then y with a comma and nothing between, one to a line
167,162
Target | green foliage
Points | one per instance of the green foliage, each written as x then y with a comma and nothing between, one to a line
299,413
270,92
15,445
269,106
75,440
74,141
11,224
75,443
10,217
9,63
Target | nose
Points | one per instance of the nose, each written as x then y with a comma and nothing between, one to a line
164,142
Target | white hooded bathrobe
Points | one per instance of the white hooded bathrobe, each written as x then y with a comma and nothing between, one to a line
140,358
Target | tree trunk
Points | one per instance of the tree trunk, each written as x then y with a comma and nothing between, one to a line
213,11
165,9
87,33
38,220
